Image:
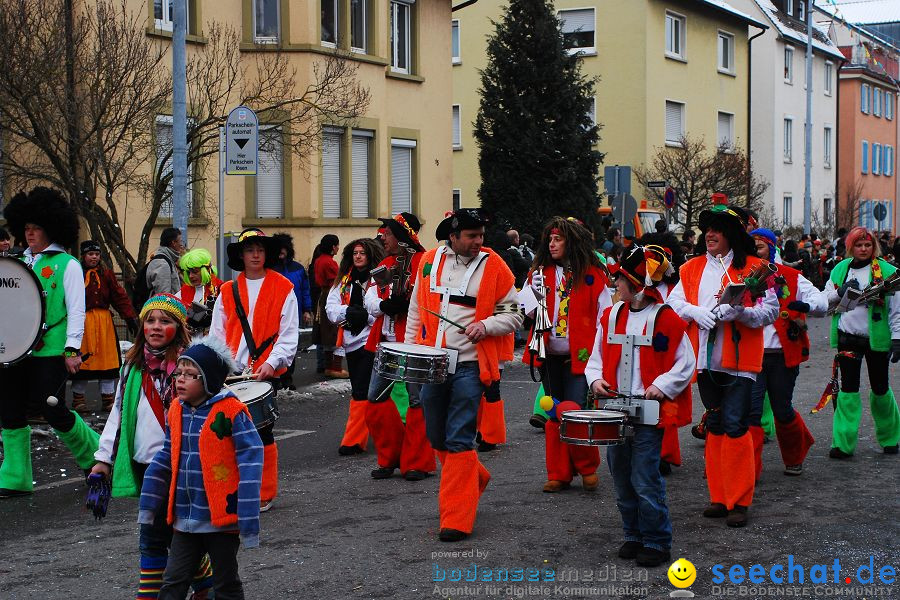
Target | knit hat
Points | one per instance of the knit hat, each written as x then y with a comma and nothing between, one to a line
89,246
167,303
213,359
767,237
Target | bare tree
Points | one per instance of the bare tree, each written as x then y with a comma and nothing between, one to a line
848,206
696,172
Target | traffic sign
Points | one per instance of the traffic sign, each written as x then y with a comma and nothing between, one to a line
669,197
241,142
879,212
656,184
624,208
617,180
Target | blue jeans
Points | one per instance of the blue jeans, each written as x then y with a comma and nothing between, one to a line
777,379
640,489
451,409
727,398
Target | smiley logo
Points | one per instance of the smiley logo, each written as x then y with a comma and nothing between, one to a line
682,573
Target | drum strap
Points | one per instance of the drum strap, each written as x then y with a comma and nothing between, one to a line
255,352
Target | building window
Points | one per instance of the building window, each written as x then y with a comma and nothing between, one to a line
827,139
457,199
270,175
829,69
788,140
888,105
401,36
801,14
457,128
674,123
578,29
359,26
454,42
726,132
675,42
876,159
360,173
888,168
332,150
330,22
164,157
865,157
726,52
265,21
164,14
864,98
786,211
788,64
828,209
402,175
876,102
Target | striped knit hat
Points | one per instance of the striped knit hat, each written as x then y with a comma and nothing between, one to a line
168,303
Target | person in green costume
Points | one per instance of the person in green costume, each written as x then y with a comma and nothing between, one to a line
869,331
44,221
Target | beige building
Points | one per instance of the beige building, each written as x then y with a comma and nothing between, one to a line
666,68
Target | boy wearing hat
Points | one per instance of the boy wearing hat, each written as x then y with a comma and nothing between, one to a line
661,371
728,342
48,225
207,474
474,288
257,316
396,445
100,345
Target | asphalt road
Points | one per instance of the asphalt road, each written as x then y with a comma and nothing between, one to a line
336,533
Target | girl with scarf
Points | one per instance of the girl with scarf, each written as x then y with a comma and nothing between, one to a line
344,307
135,429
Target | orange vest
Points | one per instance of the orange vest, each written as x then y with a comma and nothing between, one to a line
217,460
266,314
791,324
655,360
188,291
496,281
747,354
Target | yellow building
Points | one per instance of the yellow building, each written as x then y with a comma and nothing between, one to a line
666,68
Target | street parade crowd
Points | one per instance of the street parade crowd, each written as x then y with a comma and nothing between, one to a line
616,331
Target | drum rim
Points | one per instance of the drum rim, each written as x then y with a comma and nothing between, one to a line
43,322
424,351
242,384
577,416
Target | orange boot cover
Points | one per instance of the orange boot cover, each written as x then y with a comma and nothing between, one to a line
493,422
794,439
758,436
484,477
738,470
559,463
714,468
269,488
386,430
356,433
671,449
460,491
417,454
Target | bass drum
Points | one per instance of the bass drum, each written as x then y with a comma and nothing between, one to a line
22,309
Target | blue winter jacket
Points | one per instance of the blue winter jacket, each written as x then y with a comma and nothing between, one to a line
297,274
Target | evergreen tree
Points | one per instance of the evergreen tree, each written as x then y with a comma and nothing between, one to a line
534,128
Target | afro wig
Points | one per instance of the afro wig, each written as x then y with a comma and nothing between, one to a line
46,208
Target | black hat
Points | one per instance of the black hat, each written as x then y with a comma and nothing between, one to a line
235,249
405,228
46,208
89,246
459,220
213,359
732,221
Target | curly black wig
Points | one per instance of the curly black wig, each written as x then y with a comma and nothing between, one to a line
46,208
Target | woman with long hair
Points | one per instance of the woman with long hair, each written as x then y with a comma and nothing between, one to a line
344,307
323,271
869,331
566,275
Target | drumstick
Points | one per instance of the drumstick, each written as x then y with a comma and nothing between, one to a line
445,319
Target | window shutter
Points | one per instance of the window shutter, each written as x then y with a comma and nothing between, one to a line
725,129
331,173
359,180
401,179
270,176
673,122
457,135
577,20
865,157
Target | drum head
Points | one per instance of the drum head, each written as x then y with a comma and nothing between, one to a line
22,314
247,391
416,349
593,416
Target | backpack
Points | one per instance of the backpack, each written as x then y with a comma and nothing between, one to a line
141,291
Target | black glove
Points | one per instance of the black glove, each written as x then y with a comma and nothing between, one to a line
394,306
895,351
798,306
132,325
357,319
854,284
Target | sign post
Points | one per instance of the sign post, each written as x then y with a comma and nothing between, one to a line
241,142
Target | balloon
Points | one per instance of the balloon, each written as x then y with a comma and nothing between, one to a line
547,403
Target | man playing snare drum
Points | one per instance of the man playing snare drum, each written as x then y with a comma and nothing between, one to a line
661,371
473,288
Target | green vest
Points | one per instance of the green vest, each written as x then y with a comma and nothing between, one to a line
50,270
879,326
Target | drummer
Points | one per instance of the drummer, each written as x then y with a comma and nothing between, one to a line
474,288
661,371
396,445
273,329
49,226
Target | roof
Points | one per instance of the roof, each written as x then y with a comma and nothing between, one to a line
864,12
727,8
795,30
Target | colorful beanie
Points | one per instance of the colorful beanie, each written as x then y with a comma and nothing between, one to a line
168,303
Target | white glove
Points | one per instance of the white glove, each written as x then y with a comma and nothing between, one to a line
537,280
704,318
730,313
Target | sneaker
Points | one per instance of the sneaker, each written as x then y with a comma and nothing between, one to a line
383,473
737,517
265,505
590,482
414,475
452,535
485,447
537,421
630,550
552,486
651,557
892,449
715,511
793,469
838,454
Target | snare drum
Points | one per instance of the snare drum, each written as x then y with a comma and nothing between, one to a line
259,396
592,427
411,363
22,316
